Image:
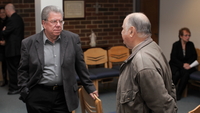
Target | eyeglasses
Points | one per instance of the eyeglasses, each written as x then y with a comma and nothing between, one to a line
187,35
55,22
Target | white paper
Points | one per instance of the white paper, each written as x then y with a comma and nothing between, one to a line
195,63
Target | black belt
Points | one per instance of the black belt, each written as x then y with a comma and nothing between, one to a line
53,88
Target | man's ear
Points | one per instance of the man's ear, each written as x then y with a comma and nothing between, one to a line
43,23
131,31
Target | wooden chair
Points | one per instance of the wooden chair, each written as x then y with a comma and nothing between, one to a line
117,54
195,76
198,58
88,103
195,110
97,57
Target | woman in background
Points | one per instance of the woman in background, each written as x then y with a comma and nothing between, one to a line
3,19
182,55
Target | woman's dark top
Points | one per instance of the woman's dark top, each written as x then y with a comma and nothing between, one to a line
177,58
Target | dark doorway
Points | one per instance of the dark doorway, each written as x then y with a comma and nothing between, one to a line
151,9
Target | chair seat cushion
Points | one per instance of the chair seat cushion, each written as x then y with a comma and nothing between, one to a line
195,75
104,72
92,76
116,67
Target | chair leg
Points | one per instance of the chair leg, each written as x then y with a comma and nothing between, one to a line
96,84
185,91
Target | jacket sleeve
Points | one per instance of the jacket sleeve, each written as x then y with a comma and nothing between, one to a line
23,76
81,68
9,28
154,93
175,57
191,53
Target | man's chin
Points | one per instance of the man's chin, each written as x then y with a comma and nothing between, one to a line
57,33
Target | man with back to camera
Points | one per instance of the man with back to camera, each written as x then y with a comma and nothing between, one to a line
50,61
3,21
13,34
145,83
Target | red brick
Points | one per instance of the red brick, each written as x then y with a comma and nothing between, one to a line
106,23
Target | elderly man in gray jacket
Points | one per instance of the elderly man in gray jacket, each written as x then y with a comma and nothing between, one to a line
145,83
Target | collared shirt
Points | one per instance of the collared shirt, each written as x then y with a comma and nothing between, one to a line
52,69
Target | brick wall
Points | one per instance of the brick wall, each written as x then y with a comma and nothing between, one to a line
106,24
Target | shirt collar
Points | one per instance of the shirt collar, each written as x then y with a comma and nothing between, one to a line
45,38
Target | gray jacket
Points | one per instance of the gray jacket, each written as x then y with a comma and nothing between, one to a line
72,63
145,83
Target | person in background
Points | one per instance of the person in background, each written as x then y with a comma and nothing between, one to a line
13,35
183,53
50,61
3,20
145,83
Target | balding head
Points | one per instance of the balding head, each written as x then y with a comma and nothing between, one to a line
140,22
10,9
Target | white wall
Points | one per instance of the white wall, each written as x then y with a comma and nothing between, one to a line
39,5
175,14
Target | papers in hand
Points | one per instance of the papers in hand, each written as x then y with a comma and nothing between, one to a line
195,63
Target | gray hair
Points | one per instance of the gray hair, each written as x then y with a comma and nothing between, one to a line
48,9
140,22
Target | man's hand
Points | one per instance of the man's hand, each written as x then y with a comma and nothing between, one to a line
4,28
2,42
94,93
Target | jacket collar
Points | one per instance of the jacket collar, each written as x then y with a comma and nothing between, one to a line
40,46
134,52
63,44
